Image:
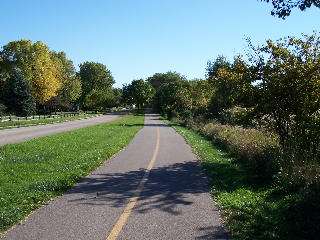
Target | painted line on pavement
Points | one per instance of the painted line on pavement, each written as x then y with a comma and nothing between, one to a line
132,202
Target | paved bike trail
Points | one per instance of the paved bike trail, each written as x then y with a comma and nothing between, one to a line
152,189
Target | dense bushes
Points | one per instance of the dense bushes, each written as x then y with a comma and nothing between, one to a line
266,192
260,151
276,91
253,209
183,99
256,149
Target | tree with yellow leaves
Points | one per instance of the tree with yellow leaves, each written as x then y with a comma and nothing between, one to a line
40,67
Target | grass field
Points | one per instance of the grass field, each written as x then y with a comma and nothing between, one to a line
11,124
252,210
33,172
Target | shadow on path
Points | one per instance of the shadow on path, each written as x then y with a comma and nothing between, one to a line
166,187
214,232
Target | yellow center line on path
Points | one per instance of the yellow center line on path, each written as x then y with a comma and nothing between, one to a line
132,202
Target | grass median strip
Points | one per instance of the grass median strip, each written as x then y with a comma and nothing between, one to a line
33,172
17,124
252,210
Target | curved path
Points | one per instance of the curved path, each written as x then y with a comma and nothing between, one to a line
153,189
15,135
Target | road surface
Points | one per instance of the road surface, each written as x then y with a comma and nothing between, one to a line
15,135
152,189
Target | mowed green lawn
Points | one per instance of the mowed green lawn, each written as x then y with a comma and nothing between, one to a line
33,172
11,124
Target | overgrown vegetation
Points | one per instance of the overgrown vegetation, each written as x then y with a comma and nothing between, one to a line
33,172
138,93
252,209
257,150
275,92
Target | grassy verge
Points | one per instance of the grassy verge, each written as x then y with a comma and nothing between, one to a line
253,210
14,124
33,172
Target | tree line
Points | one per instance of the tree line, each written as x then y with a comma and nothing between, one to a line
274,88
35,78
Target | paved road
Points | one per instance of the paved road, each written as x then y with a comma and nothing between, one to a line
26,133
153,189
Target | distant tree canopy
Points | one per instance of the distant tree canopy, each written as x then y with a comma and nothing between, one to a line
68,67
214,66
95,76
224,78
183,98
138,92
96,81
160,78
117,97
282,8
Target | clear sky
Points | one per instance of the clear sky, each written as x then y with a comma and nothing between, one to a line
137,38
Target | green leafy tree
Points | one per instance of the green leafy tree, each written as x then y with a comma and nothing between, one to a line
96,80
138,92
214,66
39,66
3,76
68,67
113,98
2,109
160,78
282,8
289,83
118,98
95,99
18,98
221,78
176,96
200,94
173,99
286,97
100,100
70,90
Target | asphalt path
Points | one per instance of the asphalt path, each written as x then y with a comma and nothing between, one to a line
15,135
152,189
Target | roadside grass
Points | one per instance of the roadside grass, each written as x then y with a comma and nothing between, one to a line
251,209
33,172
15,124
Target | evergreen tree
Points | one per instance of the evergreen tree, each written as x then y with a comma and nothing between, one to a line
18,98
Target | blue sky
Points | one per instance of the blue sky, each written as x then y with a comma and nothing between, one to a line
137,38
